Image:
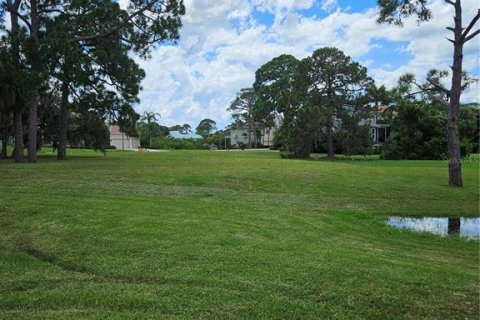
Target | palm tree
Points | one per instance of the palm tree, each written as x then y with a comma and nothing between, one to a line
150,117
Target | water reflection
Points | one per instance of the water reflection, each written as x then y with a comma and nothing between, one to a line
464,227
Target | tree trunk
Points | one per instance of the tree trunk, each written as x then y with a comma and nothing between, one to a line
32,128
454,156
250,128
63,123
330,150
3,151
149,135
35,67
18,129
17,113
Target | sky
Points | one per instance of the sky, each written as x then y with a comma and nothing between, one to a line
223,43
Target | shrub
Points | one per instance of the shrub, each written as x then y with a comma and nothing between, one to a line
177,144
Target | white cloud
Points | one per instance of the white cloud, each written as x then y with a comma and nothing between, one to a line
222,45
329,5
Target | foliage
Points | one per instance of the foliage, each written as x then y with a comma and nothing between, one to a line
321,91
274,89
242,109
186,128
469,127
150,118
89,131
153,129
167,143
418,132
218,140
206,127
354,137
394,11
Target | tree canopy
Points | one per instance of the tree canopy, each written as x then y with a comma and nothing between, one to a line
206,127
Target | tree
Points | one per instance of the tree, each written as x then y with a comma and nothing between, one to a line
186,128
330,86
11,101
395,11
155,130
242,111
206,127
416,132
14,82
150,117
354,136
274,87
104,66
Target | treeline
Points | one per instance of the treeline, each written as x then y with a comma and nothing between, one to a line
155,136
326,102
66,69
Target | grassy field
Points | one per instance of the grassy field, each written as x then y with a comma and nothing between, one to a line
249,235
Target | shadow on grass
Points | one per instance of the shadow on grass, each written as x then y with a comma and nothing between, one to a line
115,278
324,157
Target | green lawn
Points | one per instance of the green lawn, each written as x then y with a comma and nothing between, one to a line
232,235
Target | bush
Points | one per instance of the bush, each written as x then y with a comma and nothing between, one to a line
418,132
177,144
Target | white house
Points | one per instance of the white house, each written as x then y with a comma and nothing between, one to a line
239,136
267,134
379,129
121,140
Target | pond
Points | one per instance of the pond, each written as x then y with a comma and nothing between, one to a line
463,227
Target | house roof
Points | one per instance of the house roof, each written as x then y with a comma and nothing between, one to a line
181,135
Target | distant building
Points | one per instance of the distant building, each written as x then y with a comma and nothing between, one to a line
239,136
267,134
379,129
264,136
121,140
184,135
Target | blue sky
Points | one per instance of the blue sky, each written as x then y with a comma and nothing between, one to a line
224,42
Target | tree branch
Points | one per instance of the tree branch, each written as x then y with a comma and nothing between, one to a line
117,28
450,2
470,37
13,8
470,26
439,87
